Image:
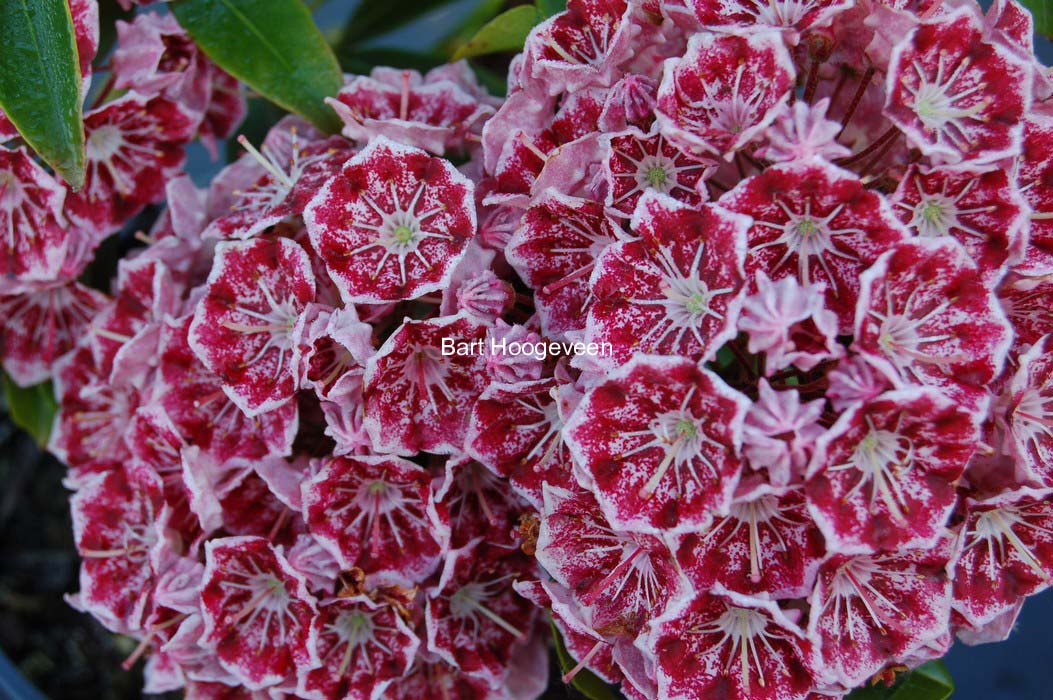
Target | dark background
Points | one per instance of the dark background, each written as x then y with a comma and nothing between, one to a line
71,657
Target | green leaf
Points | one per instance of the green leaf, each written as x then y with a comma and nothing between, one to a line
32,408
1043,13
373,18
547,8
931,681
271,45
485,10
40,82
494,82
725,358
584,681
506,32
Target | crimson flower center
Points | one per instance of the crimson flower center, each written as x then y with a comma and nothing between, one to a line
899,333
1033,416
400,231
782,13
679,434
104,148
740,630
427,369
808,236
657,177
688,300
853,581
276,322
469,602
137,541
1001,527
932,217
881,457
104,142
281,180
269,596
938,105
379,497
355,630
753,515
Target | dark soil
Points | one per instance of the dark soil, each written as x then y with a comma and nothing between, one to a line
67,655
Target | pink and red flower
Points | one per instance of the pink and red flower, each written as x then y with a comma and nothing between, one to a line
660,440
243,326
392,224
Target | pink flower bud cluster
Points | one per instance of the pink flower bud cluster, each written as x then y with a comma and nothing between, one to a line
263,439
816,237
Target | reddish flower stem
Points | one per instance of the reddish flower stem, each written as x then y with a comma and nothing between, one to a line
875,145
760,165
878,155
106,90
600,586
740,166
838,87
813,80
864,83
717,184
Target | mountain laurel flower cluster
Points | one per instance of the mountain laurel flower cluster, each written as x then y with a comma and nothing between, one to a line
812,239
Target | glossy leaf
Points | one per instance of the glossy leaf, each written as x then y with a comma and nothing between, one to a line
375,17
547,8
725,358
1043,12
32,408
494,82
506,32
584,681
931,681
483,12
273,46
40,82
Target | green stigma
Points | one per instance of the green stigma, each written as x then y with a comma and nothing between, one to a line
806,227
932,212
696,304
686,428
402,234
656,177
